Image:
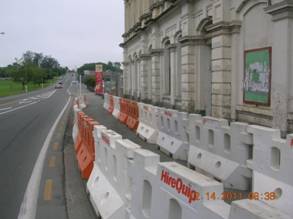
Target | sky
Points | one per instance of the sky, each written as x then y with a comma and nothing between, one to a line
72,31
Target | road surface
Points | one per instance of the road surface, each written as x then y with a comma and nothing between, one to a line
25,122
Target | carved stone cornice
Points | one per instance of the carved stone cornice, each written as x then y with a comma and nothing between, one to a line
222,28
281,10
192,40
148,20
145,56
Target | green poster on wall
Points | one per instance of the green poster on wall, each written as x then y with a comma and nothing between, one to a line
257,76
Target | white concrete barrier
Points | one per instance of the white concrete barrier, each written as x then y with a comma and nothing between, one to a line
248,209
272,163
170,190
106,101
81,102
109,184
220,150
75,125
97,133
116,110
130,183
104,198
173,136
147,127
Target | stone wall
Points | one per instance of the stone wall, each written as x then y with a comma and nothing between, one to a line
190,55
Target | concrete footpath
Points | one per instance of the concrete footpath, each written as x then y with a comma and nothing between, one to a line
96,110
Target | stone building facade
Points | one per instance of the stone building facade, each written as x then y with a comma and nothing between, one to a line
199,55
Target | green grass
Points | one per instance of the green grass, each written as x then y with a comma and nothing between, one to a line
9,87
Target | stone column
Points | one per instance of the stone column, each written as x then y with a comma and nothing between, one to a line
125,78
173,74
178,71
155,59
133,79
138,79
187,76
282,64
126,16
145,75
236,81
221,75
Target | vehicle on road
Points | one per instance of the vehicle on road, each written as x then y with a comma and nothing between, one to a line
59,85
74,82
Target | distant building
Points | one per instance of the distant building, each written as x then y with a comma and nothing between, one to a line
193,56
113,82
89,73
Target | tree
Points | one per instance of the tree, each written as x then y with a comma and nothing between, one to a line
110,66
90,81
34,67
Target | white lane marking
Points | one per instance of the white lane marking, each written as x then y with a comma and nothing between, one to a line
24,102
7,108
34,98
48,94
17,108
28,206
69,93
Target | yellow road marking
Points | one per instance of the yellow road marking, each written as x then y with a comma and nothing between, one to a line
55,146
52,161
48,190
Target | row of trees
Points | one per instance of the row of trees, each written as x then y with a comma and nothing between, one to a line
110,66
33,67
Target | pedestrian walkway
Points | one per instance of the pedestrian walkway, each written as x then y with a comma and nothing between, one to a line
96,110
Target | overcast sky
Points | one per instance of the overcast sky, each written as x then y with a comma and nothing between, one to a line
73,31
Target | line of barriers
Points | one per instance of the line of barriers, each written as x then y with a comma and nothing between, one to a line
227,160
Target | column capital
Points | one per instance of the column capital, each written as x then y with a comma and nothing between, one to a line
281,10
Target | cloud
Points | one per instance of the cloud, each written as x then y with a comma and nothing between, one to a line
73,31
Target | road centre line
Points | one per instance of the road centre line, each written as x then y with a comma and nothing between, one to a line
28,207
55,146
48,190
52,161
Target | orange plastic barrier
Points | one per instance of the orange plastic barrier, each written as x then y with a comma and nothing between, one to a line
85,146
79,139
111,104
123,110
133,115
85,162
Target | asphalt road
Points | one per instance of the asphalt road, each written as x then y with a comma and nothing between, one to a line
25,122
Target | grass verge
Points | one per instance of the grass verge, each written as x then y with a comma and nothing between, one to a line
10,87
